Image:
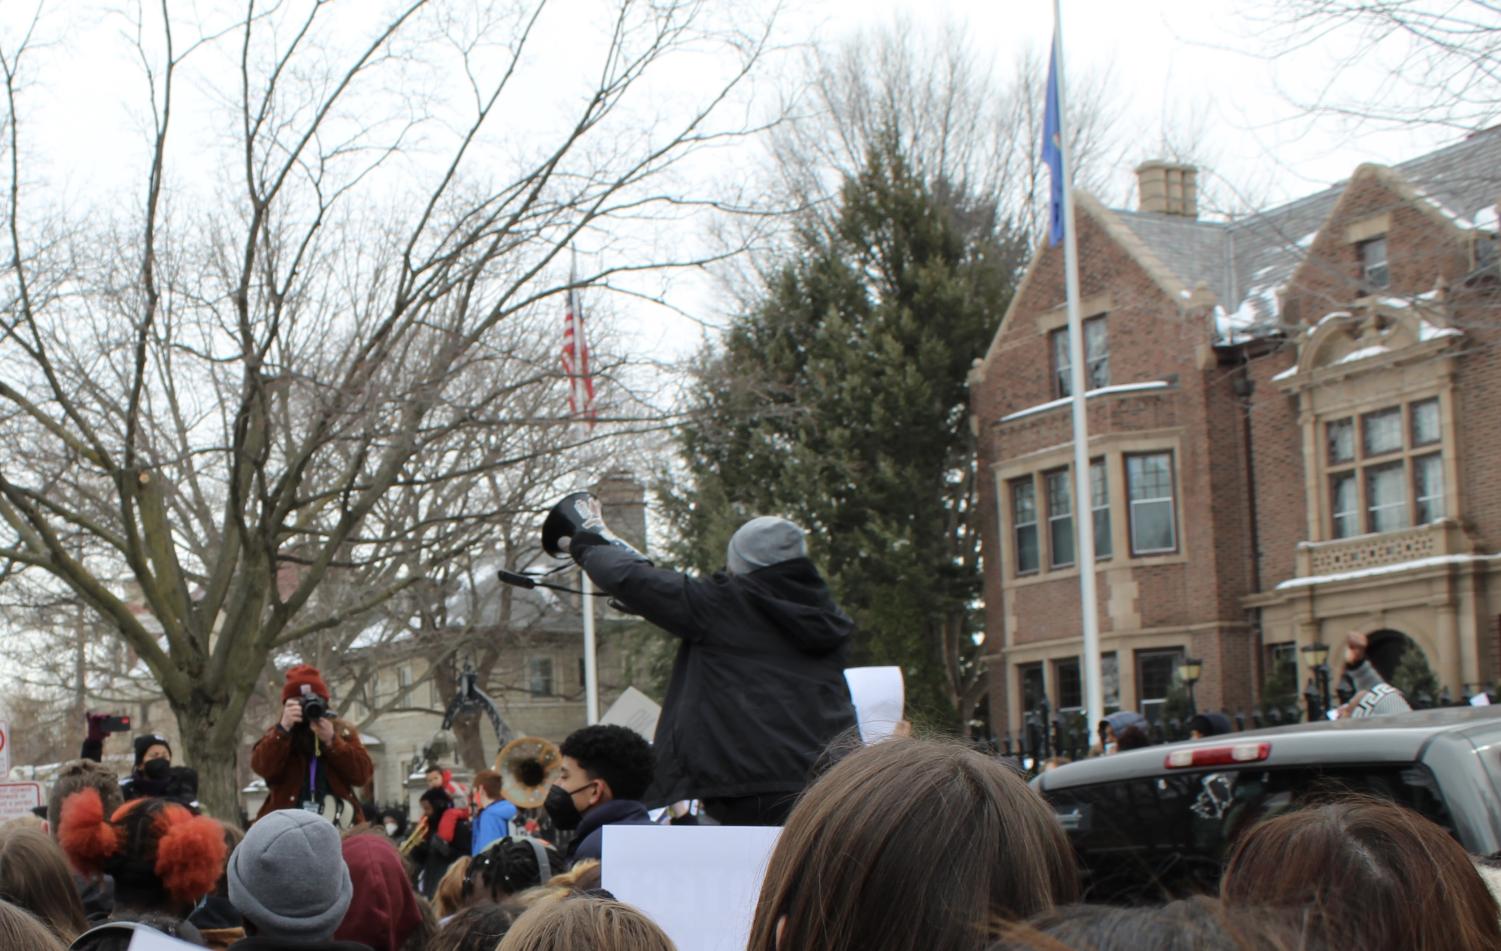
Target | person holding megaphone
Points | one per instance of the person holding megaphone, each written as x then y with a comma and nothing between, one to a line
757,690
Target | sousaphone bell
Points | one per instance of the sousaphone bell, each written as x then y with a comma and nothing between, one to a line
528,765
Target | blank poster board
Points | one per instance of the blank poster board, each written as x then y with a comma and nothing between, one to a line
699,883
879,696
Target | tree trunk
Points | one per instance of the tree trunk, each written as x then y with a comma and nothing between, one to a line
214,759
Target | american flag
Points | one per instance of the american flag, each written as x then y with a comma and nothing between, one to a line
576,362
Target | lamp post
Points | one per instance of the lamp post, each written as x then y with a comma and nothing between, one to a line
1189,671
1317,655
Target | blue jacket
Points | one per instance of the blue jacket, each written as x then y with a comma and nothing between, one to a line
492,823
588,839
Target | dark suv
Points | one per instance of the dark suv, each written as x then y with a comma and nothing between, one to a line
1157,823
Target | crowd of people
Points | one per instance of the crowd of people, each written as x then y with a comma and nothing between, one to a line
904,844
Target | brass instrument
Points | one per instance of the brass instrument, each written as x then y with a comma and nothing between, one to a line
528,765
415,839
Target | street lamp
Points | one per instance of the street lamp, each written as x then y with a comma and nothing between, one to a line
1189,670
1317,656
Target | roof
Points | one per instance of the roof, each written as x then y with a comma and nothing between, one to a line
1243,262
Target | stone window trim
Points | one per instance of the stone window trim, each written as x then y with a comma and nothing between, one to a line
1145,494
1121,645
1096,356
1110,450
1393,444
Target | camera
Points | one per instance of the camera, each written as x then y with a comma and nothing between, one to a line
116,724
314,707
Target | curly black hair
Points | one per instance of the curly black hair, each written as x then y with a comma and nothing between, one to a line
510,866
618,755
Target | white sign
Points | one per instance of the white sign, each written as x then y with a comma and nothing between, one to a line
4,749
699,883
18,799
880,700
635,710
1481,699
149,939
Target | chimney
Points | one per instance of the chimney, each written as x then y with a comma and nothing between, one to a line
1168,188
623,499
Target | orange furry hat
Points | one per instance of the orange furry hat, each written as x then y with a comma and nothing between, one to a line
148,845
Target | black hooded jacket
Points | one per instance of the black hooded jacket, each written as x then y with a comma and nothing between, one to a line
757,689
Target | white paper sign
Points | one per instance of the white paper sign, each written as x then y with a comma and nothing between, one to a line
4,750
149,940
1481,699
699,883
635,710
18,799
880,700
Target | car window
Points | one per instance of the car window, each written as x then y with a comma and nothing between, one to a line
1157,838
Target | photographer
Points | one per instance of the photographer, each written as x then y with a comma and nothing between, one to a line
154,776
311,759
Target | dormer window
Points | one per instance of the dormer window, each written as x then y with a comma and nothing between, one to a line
1096,358
1373,271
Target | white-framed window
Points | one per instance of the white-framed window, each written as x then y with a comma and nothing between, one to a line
1344,502
539,681
1374,273
1024,525
1099,506
1428,487
1096,357
1149,490
1060,519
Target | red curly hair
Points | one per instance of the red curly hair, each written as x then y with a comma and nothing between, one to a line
153,848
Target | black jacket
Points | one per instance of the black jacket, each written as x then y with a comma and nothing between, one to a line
757,689
589,837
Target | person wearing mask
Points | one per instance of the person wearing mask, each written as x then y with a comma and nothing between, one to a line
757,691
606,769
395,822
493,811
290,883
445,836
1121,722
311,761
154,775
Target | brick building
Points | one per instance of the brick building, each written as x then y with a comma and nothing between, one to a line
1292,428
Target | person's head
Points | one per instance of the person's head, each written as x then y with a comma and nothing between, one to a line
1193,924
34,875
508,866
384,911
476,928
488,787
394,821
762,542
600,763
78,775
20,929
1377,871
153,756
1133,737
911,844
600,924
582,876
161,856
1205,725
434,803
288,879
1117,723
304,680
449,896
435,778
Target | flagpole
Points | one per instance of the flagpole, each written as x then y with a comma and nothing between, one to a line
1094,695
586,584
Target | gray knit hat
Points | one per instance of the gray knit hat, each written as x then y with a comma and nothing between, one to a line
763,541
288,877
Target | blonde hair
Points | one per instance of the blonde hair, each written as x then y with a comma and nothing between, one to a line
449,896
19,929
561,923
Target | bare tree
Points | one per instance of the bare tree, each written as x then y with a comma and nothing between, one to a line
254,401
1395,62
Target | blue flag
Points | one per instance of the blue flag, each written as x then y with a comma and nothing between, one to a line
1052,151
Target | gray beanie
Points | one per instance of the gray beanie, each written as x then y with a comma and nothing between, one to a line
288,877
765,540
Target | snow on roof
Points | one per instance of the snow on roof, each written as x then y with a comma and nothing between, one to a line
1101,391
1374,350
1379,570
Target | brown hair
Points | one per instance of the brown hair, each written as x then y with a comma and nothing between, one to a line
912,845
448,897
34,875
584,875
477,928
1384,876
18,929
489,780
600,924
1192,924
77,775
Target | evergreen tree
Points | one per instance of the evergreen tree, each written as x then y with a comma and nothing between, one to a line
841,401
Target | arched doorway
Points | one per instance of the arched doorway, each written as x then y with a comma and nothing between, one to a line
1386,649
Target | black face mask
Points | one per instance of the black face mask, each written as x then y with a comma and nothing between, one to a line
564,814
155,769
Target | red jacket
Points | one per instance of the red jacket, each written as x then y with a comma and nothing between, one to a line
346,766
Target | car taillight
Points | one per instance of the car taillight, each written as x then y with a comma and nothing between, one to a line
1218,755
